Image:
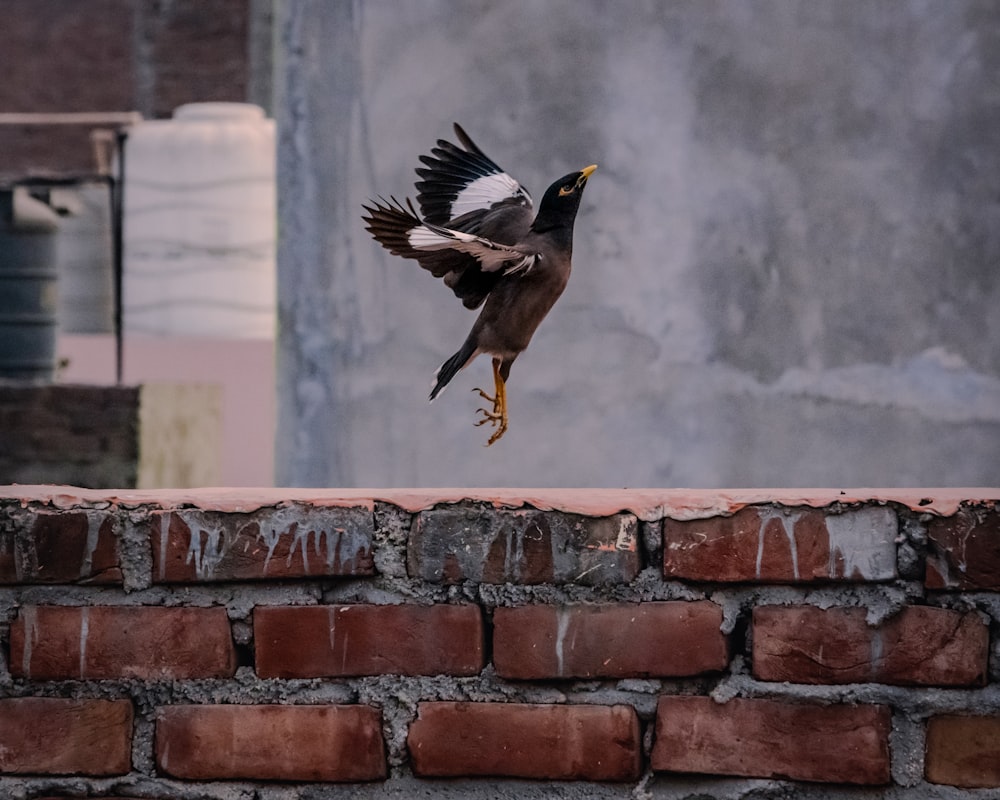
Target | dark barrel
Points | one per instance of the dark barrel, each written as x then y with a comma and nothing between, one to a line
28,298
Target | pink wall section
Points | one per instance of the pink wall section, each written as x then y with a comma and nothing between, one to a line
245,369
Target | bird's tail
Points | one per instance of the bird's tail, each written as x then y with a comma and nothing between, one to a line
450,368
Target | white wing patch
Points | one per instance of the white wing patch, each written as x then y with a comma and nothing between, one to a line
485,191
424,238
491,256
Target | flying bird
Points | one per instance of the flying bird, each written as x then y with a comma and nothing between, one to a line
478,230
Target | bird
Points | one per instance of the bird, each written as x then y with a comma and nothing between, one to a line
478,230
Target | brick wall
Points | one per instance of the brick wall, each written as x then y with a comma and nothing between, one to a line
115,55
155,434
276,644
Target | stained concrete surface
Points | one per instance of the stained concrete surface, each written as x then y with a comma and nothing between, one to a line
786,268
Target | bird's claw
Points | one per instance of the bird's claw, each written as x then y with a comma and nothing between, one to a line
499,421
497,417
490,398
488,417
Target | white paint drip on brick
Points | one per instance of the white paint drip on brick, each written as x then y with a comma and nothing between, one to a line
626,536
300,539
961,557
562,626
347,641
94,520
788,520
338,543
271,536
944,565
206,557
331,618
84,633
164,542
513,553
877,649
864,541
330,544
30,637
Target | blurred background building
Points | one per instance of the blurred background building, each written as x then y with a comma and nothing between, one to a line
786,269
205,413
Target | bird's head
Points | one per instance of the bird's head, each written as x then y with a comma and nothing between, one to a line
561,201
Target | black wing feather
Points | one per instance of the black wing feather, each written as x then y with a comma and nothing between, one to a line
390,223
497,209
449,170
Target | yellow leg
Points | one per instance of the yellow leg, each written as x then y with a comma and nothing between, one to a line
498,416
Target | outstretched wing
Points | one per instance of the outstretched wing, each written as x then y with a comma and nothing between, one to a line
457,182
470,264
490,255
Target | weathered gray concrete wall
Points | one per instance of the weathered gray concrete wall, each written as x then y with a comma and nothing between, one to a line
787,268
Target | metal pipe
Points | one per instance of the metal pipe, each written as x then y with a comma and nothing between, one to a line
117,184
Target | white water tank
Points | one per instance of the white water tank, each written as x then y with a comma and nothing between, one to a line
200,224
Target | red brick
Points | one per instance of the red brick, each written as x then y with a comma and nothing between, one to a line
622,640
191,545
917,646
65,737
964,751
791,545
461,543
544,742
61,547
964,550
270,743
99,642
346,640
773,739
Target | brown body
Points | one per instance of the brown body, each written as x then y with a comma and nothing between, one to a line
518,304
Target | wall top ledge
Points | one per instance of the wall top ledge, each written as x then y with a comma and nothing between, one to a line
647,504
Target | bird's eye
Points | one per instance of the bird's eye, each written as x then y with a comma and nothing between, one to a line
566,188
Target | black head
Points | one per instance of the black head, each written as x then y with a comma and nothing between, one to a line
561,201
